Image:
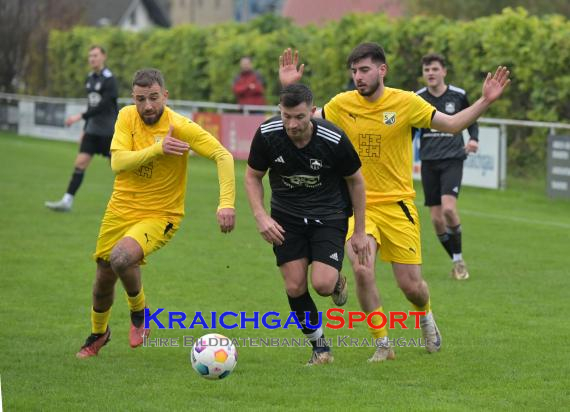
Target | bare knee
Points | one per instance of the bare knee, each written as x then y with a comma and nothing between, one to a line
323,287
449,213
82,161
121,260
296,289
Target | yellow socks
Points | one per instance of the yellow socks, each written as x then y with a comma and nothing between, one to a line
99,321
425,308
377,320
136,303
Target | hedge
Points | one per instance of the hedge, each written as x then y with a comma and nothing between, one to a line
199,63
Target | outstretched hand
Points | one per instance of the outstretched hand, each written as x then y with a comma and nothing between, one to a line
288,71
173,146
495,84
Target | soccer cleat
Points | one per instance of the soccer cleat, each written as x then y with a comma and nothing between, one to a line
340,293
430,333
138,333
59,206
383,351
459,270
93,344
320,357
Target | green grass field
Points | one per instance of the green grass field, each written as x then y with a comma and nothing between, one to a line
505,343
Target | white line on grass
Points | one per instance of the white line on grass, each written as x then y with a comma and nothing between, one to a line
516,219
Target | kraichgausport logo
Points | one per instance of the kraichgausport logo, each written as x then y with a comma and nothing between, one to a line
334,318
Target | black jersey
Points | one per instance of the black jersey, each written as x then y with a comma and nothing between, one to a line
102,105
306,182
435,145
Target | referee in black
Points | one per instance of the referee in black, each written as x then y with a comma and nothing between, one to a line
442,155
316,184
100,117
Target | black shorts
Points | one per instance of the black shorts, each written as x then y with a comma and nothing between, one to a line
441,177
316,240
94,144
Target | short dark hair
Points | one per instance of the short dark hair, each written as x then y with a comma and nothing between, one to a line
148,77
364,50
96,46
295,94
433,57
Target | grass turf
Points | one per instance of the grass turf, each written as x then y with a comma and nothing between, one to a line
505,345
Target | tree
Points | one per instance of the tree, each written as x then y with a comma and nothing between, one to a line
17,21
24,32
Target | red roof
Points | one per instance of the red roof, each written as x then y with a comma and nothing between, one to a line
304,12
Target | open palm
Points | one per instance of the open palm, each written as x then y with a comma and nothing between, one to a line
289,73
495,84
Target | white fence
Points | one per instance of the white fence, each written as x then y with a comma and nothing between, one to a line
44,117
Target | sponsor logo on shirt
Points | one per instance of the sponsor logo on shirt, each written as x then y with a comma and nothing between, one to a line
389,118
307,181
450,107
316,164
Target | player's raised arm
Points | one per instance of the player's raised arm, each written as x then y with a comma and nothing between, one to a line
493,88
289,73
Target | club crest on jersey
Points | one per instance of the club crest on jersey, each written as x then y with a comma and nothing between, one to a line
389,118
315,164
450,107
157,139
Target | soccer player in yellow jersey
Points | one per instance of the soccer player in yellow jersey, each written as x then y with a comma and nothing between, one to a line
149,154
379,121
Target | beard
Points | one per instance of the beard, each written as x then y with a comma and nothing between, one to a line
370,89
152,119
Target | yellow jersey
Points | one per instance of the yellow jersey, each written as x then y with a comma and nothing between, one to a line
156,186
381,132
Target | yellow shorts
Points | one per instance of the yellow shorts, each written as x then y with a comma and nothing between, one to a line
396,228
150,233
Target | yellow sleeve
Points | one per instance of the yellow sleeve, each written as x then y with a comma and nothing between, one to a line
204,144
123,158
421,112
126,160
331,110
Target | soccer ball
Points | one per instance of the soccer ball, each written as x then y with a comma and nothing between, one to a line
213,356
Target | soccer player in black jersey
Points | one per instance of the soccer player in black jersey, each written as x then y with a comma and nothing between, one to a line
442,155
100,117
379,121
316,184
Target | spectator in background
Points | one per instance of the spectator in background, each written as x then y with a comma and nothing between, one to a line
100,117
249,85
